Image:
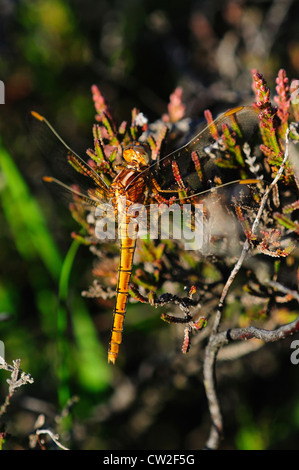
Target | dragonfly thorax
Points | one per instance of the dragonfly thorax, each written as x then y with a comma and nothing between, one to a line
129,184
136,155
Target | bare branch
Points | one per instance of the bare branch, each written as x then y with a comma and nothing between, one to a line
217,340
53,436
285,290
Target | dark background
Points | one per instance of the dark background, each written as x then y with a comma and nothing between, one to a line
137,52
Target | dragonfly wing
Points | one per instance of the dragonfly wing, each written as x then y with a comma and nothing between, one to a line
163,221
196,160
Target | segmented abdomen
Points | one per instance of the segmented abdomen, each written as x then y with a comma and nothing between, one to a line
127,248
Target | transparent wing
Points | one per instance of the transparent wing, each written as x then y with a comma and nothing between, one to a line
197,161
197,165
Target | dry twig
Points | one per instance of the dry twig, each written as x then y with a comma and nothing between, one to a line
18,378
217,340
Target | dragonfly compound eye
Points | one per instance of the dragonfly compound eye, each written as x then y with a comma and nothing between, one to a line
136,153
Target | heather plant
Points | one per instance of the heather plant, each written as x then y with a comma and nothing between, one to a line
243,284
216,310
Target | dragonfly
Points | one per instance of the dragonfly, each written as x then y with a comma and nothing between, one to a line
183,175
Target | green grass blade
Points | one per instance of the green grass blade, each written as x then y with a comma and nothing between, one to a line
33,240
26,218
93,370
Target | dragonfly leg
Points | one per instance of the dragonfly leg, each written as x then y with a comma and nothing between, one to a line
157,189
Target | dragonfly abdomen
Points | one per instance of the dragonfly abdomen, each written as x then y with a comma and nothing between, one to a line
127,248
123,196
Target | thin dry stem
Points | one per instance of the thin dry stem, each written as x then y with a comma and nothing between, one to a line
217,340
18,378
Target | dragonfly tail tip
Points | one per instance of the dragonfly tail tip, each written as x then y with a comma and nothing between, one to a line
111,359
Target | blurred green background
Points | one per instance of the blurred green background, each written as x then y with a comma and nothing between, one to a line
137,52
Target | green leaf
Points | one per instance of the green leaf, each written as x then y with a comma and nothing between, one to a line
26,219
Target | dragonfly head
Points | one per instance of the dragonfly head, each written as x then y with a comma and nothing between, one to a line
137,154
